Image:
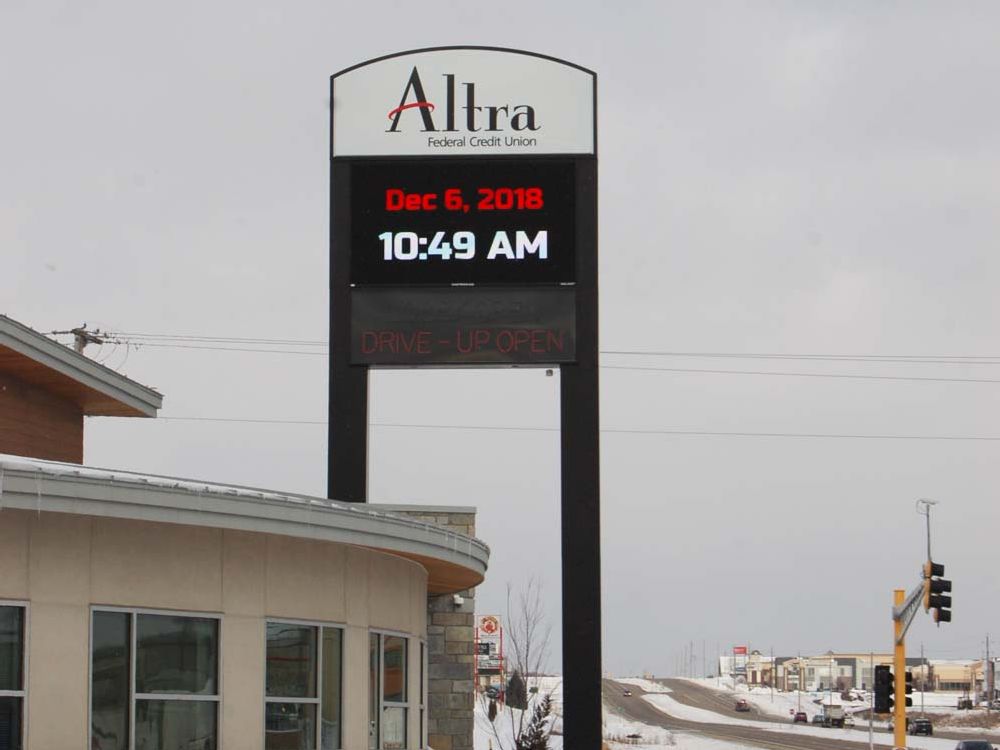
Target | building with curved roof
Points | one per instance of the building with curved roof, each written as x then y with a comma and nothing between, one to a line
150,612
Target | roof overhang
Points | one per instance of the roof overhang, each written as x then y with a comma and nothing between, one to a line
453,562
97,390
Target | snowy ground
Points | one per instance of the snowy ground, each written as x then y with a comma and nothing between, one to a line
499,735
617,727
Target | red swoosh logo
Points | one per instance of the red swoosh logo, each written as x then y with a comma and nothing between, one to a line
397,110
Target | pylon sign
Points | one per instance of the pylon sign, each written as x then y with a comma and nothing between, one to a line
456,229
463,232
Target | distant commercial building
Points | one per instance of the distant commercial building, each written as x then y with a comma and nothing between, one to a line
158,613
956,675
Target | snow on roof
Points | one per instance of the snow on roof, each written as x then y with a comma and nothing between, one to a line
71,488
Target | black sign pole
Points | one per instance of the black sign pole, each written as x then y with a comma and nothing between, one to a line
581,505
347,431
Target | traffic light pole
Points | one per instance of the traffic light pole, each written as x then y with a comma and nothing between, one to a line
904,609
899,671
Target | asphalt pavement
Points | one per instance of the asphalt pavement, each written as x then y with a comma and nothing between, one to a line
637,709
724,703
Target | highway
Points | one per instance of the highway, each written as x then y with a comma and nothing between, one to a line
637,709
697,696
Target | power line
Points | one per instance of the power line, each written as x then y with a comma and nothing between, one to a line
221,339
217,348
636,368
606,430
944,359
971,359
241,420
799,374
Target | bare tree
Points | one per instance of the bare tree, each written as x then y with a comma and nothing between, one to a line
527,635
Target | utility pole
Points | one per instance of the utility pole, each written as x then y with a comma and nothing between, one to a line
988,676
923,679
718,664
871,702
82,337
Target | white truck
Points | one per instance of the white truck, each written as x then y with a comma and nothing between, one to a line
833,716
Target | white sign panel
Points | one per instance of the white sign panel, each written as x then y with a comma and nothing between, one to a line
463,101
489,632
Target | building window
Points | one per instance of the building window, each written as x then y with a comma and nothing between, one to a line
154,681
303,683
423,694
388,702
12,692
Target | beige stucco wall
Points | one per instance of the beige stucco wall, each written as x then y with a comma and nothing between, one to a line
63,564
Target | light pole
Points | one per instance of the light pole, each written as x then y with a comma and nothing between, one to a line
924,508
831,682
798,680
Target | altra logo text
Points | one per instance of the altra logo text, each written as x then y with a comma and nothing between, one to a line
465,116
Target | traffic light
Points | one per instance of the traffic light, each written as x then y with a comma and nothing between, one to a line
935,589
884,689
909,688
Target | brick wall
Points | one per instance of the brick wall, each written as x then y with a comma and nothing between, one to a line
450,636
37,424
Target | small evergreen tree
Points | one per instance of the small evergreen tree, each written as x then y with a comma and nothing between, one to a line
536,736
517,693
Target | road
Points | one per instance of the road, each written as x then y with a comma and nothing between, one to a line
721,703
636,709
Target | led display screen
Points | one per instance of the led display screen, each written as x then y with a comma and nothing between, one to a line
467,221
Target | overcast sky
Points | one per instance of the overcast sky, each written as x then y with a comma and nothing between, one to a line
775,178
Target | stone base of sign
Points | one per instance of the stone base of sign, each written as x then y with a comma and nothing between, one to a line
450,642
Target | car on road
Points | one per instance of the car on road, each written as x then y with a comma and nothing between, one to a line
742,705
627,693
849,722
921,726
974,745
800,717
817,719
